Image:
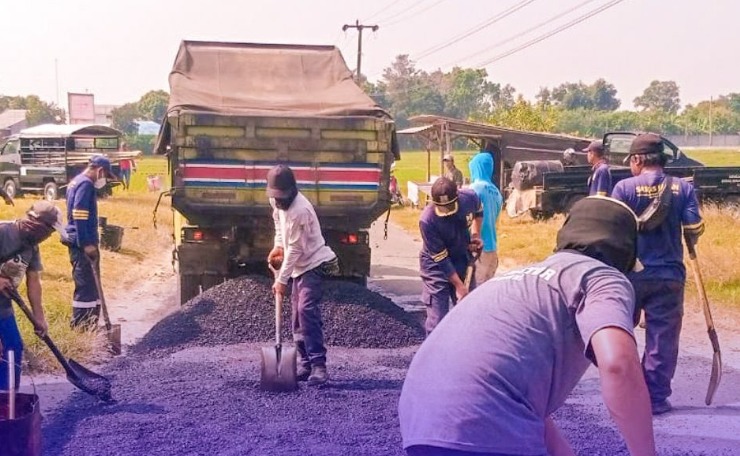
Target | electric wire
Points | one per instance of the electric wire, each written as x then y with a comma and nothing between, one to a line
395,15
413,14
383,9
544,36
520,34
487,23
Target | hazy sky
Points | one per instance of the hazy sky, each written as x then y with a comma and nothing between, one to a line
119,50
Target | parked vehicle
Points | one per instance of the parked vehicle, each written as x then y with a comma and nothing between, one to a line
228,124
44,158
558,190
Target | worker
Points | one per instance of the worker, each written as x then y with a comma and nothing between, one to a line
481,172
659,287
450,230
82,239
490,376
19,256
127,165
300,253
600,180
451,171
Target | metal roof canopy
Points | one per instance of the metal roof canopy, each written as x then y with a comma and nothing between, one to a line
441,131
64,131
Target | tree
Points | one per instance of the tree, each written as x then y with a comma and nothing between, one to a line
124,118
468,93
660,96
604,95
153,105
410,91
544,97
524,115
572,95
37,111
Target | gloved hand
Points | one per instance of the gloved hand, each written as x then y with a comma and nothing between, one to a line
92,253
5,285
275,258
476,244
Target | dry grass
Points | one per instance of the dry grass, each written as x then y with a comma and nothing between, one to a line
131,209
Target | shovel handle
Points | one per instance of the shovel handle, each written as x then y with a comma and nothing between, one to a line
278,319
95,265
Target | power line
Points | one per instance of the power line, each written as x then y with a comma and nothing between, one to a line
563,27
385,7
488,22
414,14
525,32
393,16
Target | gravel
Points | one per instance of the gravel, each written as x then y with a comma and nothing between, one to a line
242,310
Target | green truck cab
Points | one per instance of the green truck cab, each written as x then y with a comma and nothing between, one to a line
236,110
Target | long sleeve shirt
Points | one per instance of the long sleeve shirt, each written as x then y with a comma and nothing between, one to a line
298,232
82,212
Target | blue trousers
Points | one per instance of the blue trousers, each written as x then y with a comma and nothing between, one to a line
662,301
10,337
308,327
126,177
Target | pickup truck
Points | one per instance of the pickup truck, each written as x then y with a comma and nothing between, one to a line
559,190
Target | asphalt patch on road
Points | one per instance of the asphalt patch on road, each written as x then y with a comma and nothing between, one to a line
242,310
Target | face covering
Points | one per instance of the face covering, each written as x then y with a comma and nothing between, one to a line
33,231
284,203
100,182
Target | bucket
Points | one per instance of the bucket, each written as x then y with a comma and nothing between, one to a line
153,182
20,436
111,237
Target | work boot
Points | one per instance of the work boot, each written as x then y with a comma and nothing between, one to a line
303,372
318,375
661,407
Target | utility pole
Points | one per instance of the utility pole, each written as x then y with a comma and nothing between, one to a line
359,28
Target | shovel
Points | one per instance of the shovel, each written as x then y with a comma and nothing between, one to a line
112,332
78,375
278,363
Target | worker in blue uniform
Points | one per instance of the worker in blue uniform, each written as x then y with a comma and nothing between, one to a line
82,238
450,230
664,205
600,180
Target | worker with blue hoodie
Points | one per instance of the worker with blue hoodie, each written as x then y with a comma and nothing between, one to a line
481,175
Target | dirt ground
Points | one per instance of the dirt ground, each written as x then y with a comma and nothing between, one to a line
206,401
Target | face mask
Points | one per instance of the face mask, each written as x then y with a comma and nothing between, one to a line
100,182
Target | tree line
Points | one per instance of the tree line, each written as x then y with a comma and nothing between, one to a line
576,108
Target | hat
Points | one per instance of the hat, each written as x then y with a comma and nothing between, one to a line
444,196
100,161
647,143
281,182
602,228
46,213
448,157
596,147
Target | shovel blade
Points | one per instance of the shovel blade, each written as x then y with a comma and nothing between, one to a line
88,381
113,335
278,372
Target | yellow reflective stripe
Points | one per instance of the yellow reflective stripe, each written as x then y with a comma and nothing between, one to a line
80,211
440,256
601,193
695,228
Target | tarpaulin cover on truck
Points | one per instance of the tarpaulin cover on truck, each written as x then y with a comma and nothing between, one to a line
264,80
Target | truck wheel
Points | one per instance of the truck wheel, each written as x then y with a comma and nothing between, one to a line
189,287
51,191
10,188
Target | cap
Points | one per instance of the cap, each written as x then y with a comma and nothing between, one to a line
444,196
281,182
602,228
100,161
45,212
448,157
647,143
595,146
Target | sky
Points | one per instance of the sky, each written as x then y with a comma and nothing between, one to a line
119,50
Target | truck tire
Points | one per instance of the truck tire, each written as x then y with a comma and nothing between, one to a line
51,191
11,189
189,287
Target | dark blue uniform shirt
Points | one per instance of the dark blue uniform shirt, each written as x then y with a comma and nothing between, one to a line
446,238
82,212
661,250
600,181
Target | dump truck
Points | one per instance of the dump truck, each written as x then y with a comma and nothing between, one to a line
557,191
238,109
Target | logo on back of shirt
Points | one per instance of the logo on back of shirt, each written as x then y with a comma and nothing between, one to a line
519,274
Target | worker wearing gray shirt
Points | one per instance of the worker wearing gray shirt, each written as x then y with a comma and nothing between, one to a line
493,371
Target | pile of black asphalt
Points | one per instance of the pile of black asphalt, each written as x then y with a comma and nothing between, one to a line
242,310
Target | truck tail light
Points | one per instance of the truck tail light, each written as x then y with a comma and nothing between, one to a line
197,235
349,238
